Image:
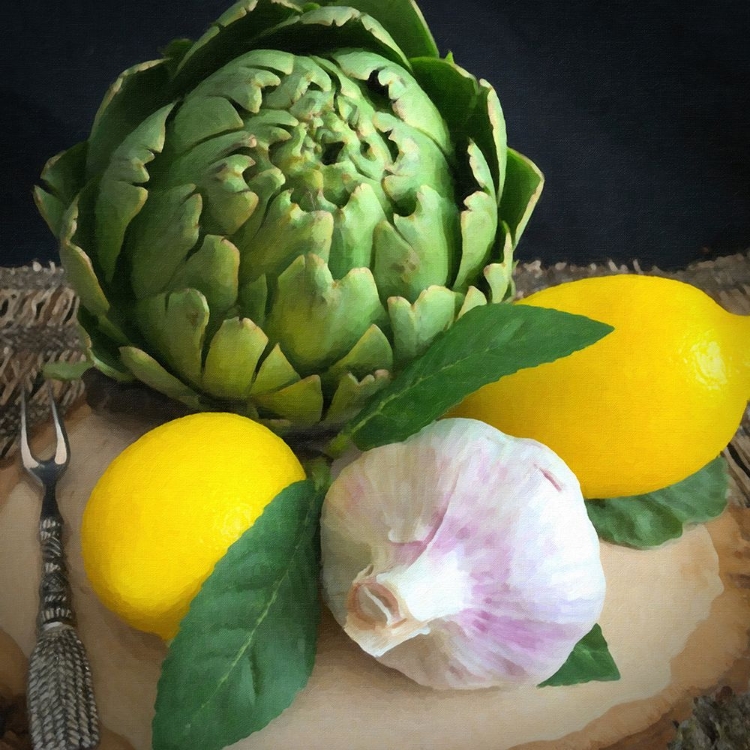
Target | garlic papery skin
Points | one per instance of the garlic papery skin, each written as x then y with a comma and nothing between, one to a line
462,557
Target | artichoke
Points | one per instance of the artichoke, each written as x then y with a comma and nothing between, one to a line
275,219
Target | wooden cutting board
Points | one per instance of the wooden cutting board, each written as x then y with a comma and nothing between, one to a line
676,619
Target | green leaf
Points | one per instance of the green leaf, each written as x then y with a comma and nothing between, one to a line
353,227
418,251
62,178
100,347
78,266
323,29
404,22
479,221
372,352
233,33
144,367
301,402
233,358
590,661
138,92
472,112
417,325
169,221
523,186
121,192
174,52
287,234
649,520
213,271
274,373
318,320
352,395
483,345
62,370
247,645
409,104
174,324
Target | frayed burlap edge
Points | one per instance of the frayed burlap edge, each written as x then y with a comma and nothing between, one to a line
37,325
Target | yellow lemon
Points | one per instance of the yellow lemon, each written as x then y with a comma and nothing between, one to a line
644,407
170,505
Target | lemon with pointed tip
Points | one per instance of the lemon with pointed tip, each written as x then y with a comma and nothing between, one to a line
645,406
170,505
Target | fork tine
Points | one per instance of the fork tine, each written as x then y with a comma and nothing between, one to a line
62,448
27,458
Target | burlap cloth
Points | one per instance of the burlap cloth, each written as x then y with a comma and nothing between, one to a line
38,325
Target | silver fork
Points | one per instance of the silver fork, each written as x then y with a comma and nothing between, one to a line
60,698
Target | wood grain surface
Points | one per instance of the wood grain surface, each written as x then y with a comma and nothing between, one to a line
676,619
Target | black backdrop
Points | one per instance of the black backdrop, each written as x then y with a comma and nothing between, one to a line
638,112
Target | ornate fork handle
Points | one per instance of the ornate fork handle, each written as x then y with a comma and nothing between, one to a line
62,709
54,590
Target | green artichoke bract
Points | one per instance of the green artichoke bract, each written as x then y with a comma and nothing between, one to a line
276,218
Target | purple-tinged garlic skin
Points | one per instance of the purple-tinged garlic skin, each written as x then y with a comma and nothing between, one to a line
462,557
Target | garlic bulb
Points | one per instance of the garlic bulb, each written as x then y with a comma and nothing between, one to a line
462,557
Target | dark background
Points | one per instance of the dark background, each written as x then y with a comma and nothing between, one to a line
637,112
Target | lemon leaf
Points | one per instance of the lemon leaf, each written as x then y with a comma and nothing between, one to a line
247,645
590,661
649,520
61,370
483,345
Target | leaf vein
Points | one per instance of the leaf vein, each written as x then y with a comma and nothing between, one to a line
301,536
